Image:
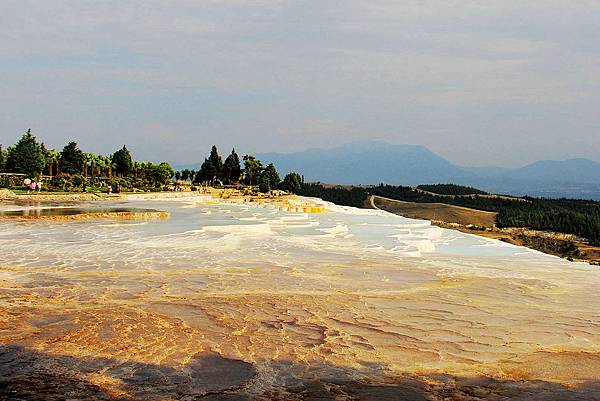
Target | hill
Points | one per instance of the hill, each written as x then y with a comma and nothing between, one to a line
370,162
373,162
436,212
573,170
569,216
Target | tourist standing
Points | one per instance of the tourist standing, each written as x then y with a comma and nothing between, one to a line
26,184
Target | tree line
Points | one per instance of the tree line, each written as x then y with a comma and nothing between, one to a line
450,189
73,169
570,216
230,172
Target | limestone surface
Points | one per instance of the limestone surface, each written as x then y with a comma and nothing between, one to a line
258,301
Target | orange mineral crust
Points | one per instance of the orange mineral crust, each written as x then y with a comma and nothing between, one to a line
246,301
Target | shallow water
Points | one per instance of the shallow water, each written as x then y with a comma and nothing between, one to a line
348,289
67,211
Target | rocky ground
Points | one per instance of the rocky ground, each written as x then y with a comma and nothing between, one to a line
29,375
97,311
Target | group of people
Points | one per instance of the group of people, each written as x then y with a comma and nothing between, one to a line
33,185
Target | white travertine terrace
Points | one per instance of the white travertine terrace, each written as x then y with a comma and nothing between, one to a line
345,288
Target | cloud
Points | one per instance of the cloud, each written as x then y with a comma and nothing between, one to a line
265,74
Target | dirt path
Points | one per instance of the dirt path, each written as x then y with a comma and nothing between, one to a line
435,211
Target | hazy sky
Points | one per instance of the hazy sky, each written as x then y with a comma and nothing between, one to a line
479,82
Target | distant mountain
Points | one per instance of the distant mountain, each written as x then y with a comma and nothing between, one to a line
574,178
373,162
573,170
368,162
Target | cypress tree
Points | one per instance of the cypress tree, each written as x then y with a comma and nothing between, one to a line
207,172
26,157
252,170
2,160
264,184
216,161
231,168
72,159
292,183
122,161
272,176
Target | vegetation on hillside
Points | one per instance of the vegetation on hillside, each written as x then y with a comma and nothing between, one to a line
292,183
354,196
570,216
579,217
72,169
26,156
450,189
215,171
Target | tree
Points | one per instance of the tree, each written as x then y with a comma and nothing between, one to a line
231,168
52,158
207,172
292,183
101,164
90,164
72,159
264,184
2,160
270,173
157,174
185,174
216,161
178,175
122,161
26,157
166,171
163,173
110,165
136,169
252,169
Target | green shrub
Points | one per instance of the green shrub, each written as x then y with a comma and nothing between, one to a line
11,181
76,182
62,181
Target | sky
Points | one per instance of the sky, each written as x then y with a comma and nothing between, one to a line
481,83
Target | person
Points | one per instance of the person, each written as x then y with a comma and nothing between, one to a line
39,185
32,186
27,183
109,189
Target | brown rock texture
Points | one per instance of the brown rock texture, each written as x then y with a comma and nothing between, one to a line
261,310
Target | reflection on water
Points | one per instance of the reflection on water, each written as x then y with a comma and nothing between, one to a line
352,288
33,208
68,211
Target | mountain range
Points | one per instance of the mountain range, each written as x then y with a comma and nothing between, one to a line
373,162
